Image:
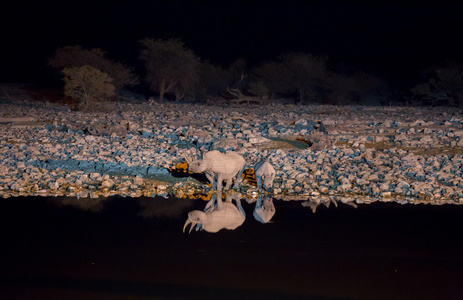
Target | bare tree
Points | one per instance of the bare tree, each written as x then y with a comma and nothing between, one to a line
238,74
87,85
240,98
76,56
444,85
170,66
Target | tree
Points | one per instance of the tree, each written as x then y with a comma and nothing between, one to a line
76,56
259,89
87,85
274,76
170,67
444,85
238,74
307,74
213,80
357,88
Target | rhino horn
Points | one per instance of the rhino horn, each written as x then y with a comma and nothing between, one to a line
188,221
193,225
188,160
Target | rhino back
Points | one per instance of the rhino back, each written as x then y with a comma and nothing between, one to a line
264,167
226,164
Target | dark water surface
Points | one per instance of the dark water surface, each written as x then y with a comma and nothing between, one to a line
134,248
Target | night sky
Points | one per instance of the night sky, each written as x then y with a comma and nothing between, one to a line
387,38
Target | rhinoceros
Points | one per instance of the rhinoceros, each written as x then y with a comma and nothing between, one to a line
264,172
217,215
221,166
264,209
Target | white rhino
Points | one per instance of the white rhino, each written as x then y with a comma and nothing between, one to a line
264,209
217,215
264,173
221,166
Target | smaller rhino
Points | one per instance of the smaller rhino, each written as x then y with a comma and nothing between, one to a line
264,173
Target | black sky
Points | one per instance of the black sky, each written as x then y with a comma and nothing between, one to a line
387,38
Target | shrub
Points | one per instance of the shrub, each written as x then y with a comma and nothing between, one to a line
274,76
444,86
76,56
213,81
357,88
87,85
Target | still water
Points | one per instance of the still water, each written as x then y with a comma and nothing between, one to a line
135,248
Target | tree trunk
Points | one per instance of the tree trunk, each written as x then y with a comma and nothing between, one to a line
301,97
162,90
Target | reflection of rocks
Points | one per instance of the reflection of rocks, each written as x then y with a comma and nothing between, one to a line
315,202
217,214
87,204
162,207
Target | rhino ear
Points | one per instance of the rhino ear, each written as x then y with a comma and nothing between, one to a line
188,160
189,156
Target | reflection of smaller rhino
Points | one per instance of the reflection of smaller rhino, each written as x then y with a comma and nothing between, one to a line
264,209
217,215
266,173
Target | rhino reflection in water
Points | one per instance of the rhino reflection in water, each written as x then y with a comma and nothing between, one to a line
217,214
264,209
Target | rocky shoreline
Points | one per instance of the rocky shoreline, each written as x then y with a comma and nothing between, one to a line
408,154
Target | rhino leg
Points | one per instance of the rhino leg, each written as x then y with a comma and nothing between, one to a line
228,184
238,177
211,179
219,182
259,182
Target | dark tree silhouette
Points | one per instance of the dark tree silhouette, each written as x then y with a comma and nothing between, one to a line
170,67
76,56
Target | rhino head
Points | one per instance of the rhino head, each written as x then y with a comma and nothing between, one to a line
195,165
268,181
264,173
195,218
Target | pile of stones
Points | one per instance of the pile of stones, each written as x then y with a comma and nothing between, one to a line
317,151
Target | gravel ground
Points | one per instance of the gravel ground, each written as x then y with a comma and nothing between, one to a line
365,153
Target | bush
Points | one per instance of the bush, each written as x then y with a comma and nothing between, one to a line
274,76
357,88
87,85
76,56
